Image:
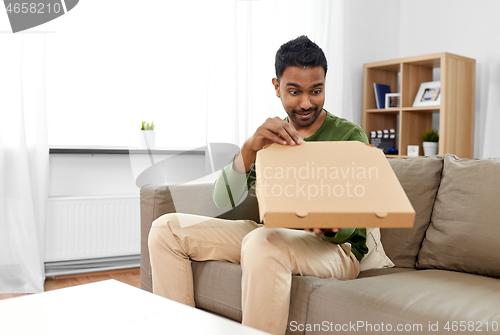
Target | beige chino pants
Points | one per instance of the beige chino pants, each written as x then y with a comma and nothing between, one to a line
268,257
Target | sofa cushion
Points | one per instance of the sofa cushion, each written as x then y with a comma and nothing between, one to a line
407,298
376,257
217,288
464,233
420,179
382,272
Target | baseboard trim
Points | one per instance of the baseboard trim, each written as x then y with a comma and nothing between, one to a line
53,269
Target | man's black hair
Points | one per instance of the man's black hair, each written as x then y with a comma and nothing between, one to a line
300,52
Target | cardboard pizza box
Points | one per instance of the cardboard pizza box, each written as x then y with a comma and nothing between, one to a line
329,185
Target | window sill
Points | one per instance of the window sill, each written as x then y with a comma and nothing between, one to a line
122,151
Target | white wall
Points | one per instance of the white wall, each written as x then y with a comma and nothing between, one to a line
464,27
371,34
90,175
386,29
87,175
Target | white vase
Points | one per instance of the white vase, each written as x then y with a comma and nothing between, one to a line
146,139
430,148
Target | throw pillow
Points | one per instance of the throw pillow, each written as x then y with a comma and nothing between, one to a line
465,225
376,257
420,179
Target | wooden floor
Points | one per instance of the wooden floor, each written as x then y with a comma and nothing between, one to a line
127,276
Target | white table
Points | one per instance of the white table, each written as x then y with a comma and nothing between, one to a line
109,307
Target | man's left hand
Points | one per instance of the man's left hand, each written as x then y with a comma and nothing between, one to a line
320,232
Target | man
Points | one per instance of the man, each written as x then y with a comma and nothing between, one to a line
268,256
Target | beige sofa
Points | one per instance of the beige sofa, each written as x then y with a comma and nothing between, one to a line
446,267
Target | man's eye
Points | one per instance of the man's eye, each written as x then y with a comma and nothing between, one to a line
294,92
317,92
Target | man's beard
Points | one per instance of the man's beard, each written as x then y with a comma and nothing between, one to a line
313,116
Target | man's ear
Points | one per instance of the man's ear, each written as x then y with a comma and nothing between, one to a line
276,84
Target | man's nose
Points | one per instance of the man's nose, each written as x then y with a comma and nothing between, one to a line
305,102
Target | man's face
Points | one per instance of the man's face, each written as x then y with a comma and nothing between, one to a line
302,94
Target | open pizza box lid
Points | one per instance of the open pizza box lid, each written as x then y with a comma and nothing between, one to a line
329,185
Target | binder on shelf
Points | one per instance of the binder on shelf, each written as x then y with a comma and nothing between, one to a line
380,91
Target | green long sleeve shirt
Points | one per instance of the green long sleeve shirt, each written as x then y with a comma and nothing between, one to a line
231,186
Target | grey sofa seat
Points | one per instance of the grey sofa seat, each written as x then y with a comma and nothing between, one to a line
225,299
416,298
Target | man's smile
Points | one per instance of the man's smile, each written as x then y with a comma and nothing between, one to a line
305,114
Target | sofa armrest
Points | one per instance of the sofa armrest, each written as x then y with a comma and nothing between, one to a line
157,200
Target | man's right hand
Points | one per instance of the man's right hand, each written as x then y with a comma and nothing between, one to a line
274,130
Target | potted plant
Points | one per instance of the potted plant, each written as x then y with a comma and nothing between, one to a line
147,136
431,139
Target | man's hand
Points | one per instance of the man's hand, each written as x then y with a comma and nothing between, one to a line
320,233
274,130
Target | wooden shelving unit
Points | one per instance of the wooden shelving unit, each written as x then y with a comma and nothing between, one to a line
404,76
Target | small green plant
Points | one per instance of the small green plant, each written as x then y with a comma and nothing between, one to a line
147,126
431,136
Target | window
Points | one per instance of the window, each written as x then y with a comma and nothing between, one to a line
201,70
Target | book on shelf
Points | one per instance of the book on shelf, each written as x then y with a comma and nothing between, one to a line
380,91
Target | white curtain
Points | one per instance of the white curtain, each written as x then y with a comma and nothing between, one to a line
24,156
491,147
